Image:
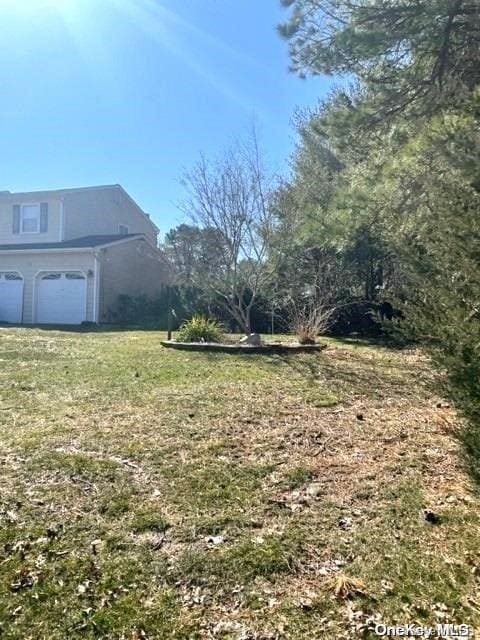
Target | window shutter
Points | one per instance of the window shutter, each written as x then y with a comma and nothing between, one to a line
16,218
44,217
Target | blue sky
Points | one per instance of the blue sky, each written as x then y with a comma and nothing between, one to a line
130,91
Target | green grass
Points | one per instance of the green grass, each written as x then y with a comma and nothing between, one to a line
153,493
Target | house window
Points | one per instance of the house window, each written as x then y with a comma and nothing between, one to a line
30,218
123,230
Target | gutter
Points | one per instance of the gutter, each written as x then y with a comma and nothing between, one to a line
8,252
3,252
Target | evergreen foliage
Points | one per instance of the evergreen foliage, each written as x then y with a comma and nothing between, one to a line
200,329
387,171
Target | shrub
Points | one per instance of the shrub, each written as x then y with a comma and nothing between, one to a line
309,320
200,329
142,311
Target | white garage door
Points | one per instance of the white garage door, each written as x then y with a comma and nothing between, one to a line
61,298
11,297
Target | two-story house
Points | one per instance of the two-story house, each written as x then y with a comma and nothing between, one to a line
66,255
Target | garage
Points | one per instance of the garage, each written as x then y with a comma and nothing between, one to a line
61,297
11,297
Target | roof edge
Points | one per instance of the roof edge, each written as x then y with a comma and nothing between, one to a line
33,248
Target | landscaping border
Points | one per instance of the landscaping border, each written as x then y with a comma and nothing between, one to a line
273,347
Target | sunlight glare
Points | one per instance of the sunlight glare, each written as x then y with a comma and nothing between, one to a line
27,7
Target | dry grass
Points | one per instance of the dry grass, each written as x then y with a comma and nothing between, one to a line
150,493
345,587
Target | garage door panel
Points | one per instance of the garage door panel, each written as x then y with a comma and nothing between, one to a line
61,298
11,297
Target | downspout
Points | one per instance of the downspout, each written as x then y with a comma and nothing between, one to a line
62,220
96,288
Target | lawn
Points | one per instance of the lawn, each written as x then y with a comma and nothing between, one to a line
153,494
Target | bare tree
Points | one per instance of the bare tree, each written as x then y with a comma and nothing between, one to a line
231,197
308,287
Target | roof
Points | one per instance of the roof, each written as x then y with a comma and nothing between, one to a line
87,242
64,190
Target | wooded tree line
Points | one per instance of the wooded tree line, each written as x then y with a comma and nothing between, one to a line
255,255
381,205
388,169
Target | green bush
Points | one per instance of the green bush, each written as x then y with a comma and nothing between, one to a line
142,311
200,329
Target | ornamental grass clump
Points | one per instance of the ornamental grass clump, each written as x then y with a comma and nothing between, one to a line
310,320
200,329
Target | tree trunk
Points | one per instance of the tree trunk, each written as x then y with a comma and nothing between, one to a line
248,325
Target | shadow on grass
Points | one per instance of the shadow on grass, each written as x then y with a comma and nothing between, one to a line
363,375
469,439
373,341
463,388
83,328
